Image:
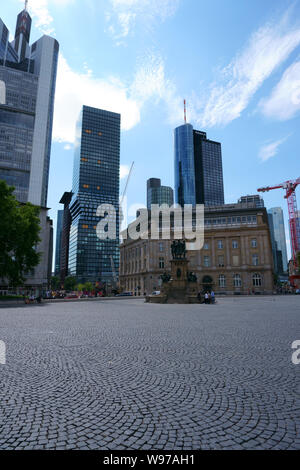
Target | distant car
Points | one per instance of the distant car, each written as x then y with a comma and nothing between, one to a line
297,291
125,294
156,292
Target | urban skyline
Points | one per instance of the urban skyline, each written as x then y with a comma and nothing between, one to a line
260,161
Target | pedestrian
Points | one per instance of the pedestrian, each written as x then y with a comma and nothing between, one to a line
199,297
212,295
206,298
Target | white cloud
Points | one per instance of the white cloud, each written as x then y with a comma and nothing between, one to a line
269,150
74,89
125,14
284,101
267,48
39,10
124,171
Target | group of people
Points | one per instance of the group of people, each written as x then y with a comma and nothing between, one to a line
208,297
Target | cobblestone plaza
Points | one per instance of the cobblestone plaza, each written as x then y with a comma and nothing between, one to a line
122,374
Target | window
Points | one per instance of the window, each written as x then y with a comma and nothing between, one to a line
84,159
237,281
85,226
256,280
206,246
207,261
88,131
255,260
161,263
220,244
98,187
100,133
161,247
86,186
221,261
222,280
254,243
235,244
99,162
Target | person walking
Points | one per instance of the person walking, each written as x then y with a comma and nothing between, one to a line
199,297
206,298
212,296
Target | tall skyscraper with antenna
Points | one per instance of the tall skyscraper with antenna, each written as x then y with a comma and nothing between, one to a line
27,89
198,167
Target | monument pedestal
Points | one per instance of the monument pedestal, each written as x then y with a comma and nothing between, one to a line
179,290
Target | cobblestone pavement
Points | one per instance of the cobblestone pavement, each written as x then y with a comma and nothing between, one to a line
128,375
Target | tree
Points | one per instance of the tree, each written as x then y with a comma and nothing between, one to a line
55,283
88,286
19,236
70,283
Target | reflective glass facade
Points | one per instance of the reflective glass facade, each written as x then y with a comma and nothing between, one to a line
185,190
59,230
198,168
158,194
279,233
208,170
28,77
95,182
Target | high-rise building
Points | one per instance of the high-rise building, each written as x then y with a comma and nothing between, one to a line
65,236
198,168
95,181
158,194
279,233
255,199
27,89
59,230
28,76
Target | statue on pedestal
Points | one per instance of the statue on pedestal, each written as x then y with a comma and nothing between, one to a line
178,249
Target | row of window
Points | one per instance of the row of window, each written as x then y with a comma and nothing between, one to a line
237,280
234,244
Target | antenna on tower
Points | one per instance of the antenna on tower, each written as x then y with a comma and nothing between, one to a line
184,103
26,5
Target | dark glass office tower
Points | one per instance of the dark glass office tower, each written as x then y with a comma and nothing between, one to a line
158,194
95,182
59,229
198,168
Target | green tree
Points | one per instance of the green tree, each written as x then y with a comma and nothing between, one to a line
19,236
55,283
88,286
80,287
70,283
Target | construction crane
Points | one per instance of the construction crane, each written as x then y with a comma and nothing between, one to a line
290,194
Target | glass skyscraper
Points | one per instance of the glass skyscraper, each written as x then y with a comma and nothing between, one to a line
158,194
96,177
279,233
27,88
198,168
59,230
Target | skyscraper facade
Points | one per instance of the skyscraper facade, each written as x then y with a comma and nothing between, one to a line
59,230
158,194
95,182
198,168
27,89
27,78
279,233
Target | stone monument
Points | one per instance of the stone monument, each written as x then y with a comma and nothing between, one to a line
179,287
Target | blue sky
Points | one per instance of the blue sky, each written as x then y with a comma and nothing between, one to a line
237,63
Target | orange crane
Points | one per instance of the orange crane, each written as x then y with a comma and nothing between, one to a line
290,194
